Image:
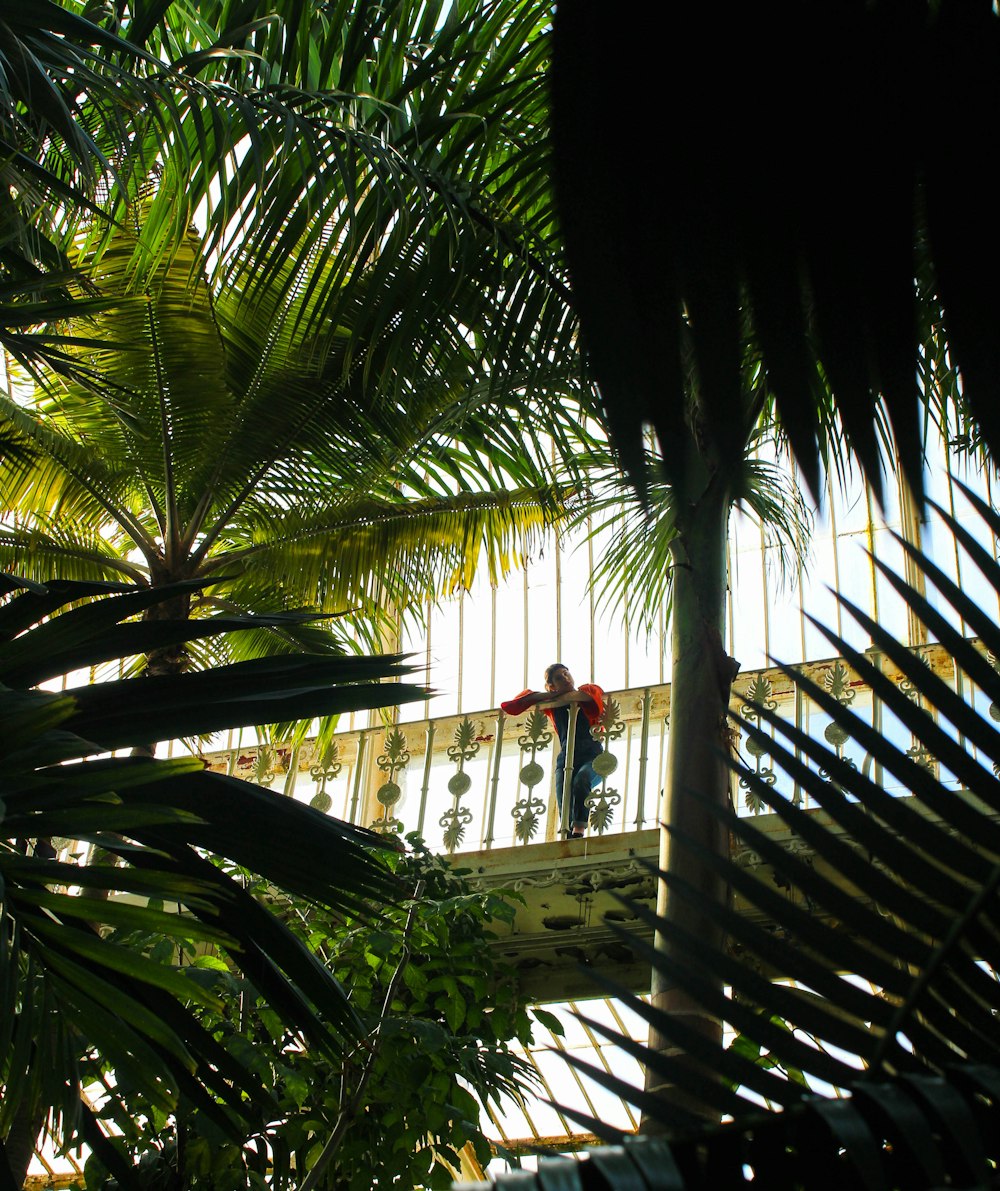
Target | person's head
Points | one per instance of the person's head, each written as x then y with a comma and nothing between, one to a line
558,679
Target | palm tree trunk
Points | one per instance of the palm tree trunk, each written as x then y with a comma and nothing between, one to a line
169,660
701,679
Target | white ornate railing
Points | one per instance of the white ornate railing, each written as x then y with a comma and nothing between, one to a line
485,780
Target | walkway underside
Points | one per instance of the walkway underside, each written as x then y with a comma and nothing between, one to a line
573,890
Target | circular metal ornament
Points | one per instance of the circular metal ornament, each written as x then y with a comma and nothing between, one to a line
388,794
458,784
836,735
532,774
605,764
321,802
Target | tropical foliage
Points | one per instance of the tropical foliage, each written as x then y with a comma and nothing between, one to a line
71,991
848,267
221,440
844,258
276,403
51,166
867,961
405,131
436,1013
634,534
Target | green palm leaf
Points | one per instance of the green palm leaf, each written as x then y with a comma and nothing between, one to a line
74,990
234,439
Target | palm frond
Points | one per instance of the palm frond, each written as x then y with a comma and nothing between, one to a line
355,556
633,532
227,444
72,994
865,957
822,269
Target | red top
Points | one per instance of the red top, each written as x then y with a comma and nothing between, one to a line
593,711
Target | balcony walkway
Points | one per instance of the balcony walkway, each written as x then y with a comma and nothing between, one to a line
571,890
574,890
477,788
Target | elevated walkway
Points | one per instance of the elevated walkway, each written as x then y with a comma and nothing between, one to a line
573,891
479,788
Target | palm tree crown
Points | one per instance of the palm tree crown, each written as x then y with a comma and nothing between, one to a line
229,438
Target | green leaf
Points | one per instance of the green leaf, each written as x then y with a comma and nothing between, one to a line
550,1021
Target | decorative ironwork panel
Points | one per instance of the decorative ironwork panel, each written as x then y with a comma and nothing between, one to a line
758,697
395,758
327,769
919,752
456,819
264,771
529,809
601,803
837,681
994,707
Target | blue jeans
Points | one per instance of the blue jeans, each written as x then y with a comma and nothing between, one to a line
584,780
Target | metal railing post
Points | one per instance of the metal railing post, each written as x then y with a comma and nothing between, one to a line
426,784
491,810
875,655
358,768
291,773
567,790
647,703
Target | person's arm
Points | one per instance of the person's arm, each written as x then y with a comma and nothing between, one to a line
523,701
593,704
578,696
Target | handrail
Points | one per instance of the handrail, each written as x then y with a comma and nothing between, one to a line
503,796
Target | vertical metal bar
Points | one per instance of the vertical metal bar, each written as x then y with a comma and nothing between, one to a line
461,646
870,539
799,580
729,600
766,603
876,660
358,769
559,593
426,784
954,539
292,774
567,790
591,598
796,788
835,545
234,756
909,525
624,778
493,645
494,779
960,691
628,635
527,632
427,660
647,703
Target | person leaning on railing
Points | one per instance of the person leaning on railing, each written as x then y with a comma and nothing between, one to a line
560,691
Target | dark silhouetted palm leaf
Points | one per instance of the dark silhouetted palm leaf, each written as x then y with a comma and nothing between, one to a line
807,190
150,828
873,946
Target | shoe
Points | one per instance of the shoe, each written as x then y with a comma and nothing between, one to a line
574,835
